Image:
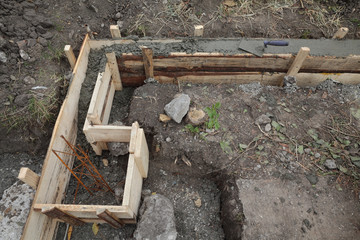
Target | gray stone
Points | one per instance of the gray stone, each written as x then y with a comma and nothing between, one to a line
15,204
3,57
157,219
330,164
3,42
47,35
22,100
307,150
118,15
317,155
31,42
267,127
33,35
29,80
42,41
312,178
263,119
24,55
46,23
178,107
40,30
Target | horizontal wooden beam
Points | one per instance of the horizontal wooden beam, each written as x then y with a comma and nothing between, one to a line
108,133
29,177
87,211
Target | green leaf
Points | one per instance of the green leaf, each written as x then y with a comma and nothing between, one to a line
276,125
243,146
225,146
313,134
300,149
287,110
355,160
245,110
260,147
342,169
95,228
217,105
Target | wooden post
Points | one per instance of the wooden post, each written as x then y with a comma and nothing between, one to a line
108,217
299,59
115,31
111,59
148,61
141,155
29,177
55,212
70,55
134,129
340,34
198,30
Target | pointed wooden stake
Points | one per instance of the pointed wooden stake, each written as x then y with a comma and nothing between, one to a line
55,212
108,217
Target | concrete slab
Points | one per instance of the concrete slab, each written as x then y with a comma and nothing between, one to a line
276,209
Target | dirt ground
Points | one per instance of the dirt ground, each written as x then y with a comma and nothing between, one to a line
322,120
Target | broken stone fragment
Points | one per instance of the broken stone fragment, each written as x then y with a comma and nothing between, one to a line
164,118
330,164
263,119
29,80
3,57
24,55
178,107
157,219
196,116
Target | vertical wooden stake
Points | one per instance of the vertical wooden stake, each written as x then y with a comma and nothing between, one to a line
70,55
111,59
198,30
148,61
115,31
134,128
29,177
55,212
108,217
299,59
340,34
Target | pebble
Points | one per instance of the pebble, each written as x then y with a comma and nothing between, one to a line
118,15
312,178
3,57
330,164
307,150
168,139
317,155
12,77
268,127
42,41
29,80
262,119
24,55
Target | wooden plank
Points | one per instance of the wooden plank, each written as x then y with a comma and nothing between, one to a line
115,31
198,30
108,217
109,133
88,211
341,33
141,154
134,129
148,61
115,74
56,213
55,177
133,186
105,115
93,115
70,55
313,79
29,177
298,61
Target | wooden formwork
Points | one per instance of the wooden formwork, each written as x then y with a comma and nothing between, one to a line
131,70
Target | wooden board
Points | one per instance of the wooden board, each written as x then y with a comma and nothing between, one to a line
133,186
84,212
115,74
56,213
29,177
108,133
141,154
55,177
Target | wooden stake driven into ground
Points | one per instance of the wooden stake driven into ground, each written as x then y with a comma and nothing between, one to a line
198,30
108,217
341,33
70,55
115,31
148,61
115,74
29,177
55,212
298,62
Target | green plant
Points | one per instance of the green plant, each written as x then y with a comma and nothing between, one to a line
225,146
192,129
213,116
41,110
54,53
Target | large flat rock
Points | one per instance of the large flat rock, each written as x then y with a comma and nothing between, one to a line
277,209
